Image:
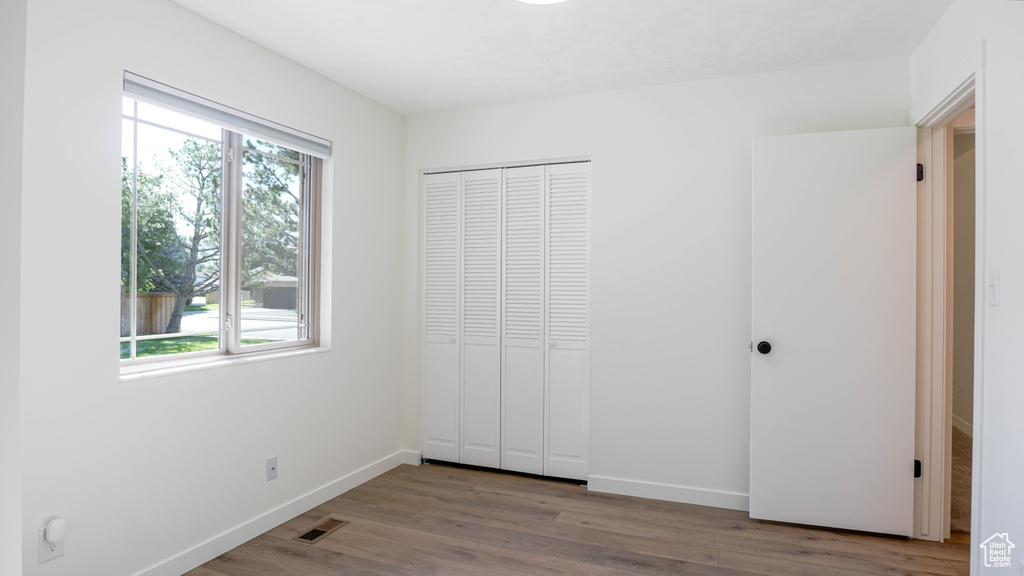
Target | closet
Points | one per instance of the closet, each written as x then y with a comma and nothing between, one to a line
506,318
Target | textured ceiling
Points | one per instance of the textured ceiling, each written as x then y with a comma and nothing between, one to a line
418,56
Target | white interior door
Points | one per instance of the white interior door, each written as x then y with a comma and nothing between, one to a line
441,316
523,360
833,292
568,320
481,287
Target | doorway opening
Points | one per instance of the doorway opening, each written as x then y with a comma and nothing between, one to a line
961,177
949,314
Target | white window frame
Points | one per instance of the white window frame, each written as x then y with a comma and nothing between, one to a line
235,125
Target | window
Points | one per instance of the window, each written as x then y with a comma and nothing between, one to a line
219,229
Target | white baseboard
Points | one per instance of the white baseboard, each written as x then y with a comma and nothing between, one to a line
412,457
670,492
210,549
963,426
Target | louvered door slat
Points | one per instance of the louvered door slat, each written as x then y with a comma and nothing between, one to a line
568,320
481,245
523,372
568,253
441,198
441,418
524,257
481,288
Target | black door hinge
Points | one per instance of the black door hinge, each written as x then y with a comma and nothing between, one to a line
920,172
917,468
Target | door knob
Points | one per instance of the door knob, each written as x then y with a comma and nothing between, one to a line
764,347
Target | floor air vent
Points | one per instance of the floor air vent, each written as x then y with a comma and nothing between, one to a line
320,531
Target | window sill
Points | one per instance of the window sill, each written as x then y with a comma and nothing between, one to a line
135,372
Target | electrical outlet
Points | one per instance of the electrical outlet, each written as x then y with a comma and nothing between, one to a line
48,550
271,468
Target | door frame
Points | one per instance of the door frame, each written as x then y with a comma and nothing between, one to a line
935,306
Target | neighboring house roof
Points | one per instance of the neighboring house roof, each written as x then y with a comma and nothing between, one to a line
273,280
280,281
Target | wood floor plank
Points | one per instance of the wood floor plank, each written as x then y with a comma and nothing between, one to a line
893,564
754,564
566,493
872,545
202,571
455,521
318,558
239,562
739,541
388,491
695,533
584,535
671,549
350,541
618,560
388,551
484,552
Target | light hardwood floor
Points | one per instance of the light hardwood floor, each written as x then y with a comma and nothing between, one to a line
447,520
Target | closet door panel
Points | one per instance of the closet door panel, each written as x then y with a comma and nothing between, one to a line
568,319
523,358
568,441
524,408
481,399
440,401
441,316
481,303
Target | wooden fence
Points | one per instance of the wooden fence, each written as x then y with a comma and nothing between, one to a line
153,312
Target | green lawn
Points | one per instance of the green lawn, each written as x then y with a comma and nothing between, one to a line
209,307
178,345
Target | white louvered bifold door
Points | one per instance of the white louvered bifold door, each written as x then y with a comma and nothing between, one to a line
568,320
481,284
441,308
523,358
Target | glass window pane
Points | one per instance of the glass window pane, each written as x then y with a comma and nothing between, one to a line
176,345
253,143
127,187
127,149
127,108
178,241
272,277
287,332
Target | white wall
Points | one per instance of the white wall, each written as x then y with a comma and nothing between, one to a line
671,251
999,400
963,281
12,91
145,470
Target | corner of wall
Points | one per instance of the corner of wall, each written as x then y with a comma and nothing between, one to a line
12,94
410,352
